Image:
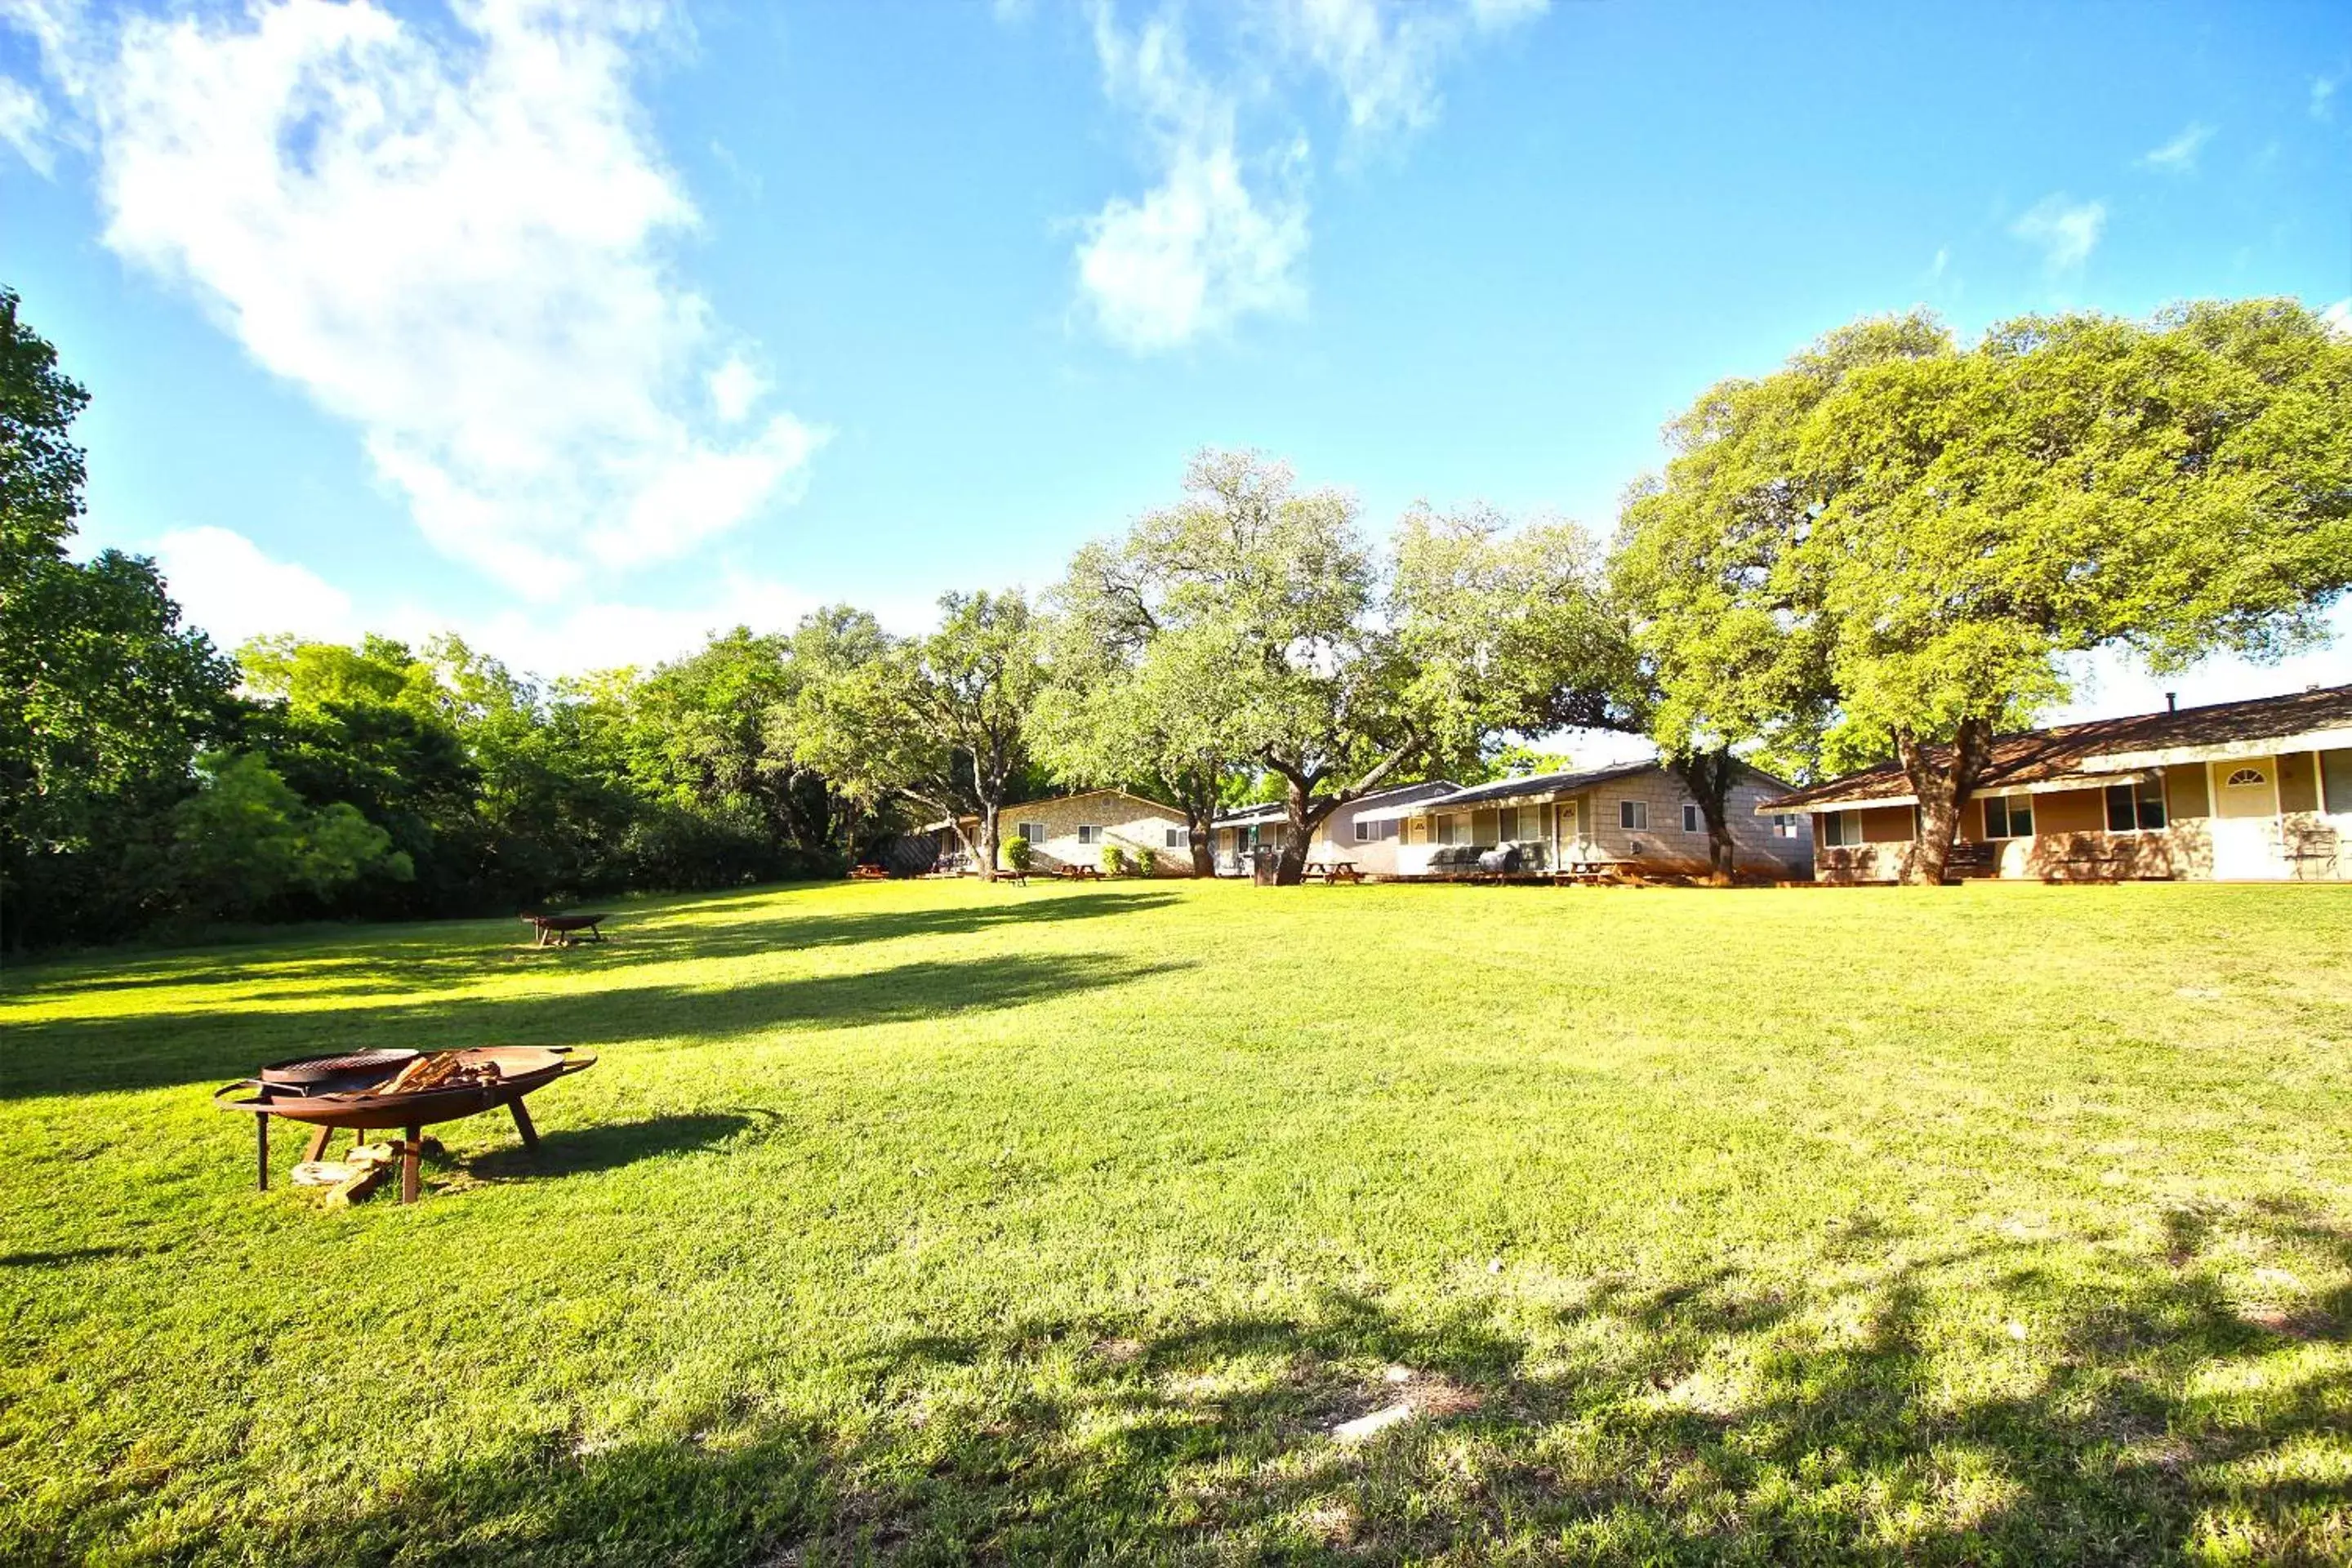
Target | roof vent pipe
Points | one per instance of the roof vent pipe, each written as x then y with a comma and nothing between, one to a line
2172,702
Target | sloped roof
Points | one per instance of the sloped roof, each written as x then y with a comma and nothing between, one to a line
1395,794
1568,782
2109,746
1531,789
1011,806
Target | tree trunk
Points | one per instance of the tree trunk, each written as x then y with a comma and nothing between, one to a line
1709,775
1941,790
1290,860
988,831
1196,795
1305,816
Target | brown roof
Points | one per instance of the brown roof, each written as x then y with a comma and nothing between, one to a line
2035,756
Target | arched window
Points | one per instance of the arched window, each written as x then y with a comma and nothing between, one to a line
2246,777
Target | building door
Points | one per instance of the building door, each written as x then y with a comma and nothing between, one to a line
2246,843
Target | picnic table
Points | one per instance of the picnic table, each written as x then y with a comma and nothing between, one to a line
1079,873
868,873
1331,872
563,931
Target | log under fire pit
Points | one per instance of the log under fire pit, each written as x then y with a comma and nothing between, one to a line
366,1090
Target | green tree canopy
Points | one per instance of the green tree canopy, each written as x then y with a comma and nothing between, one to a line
940,721
105,697
41,471
1892,546
245,843
1250,631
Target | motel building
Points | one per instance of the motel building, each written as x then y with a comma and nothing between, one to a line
2257,791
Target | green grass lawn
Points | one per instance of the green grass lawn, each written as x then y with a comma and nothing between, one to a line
933,1222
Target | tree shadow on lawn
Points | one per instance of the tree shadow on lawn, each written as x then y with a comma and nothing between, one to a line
85,1056
1705,1420
394,959
676,938
569,1151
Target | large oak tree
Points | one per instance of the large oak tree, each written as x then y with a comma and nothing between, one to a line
940,721
1251,626
1898,543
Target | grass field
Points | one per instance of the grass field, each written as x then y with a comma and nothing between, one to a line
935,1222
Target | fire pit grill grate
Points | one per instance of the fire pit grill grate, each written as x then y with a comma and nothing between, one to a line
351,1091
311,1070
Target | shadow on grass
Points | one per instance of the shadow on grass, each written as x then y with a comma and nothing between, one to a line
1712,1419
377,960
566,1150
63,1258
80,1056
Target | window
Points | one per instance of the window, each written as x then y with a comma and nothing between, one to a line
2009,817
1506,825
1691,820
2335,780
1840,829
1177,838
1034,832
1089,832
2134,807
1787,825
1364,831
1634,816
2245,777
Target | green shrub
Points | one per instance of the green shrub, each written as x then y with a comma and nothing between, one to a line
1018,854
1146,861
1114,860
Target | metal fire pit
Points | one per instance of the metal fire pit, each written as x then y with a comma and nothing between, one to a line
330,1092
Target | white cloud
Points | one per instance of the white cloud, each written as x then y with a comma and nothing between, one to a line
1937,268
236,590
1200,250
1385,56
735,388
228,585
606,634
24,124
1222,235
2179,156
2063,231
2337,317
2323,97
452,240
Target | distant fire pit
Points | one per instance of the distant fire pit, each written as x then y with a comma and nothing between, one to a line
365,1090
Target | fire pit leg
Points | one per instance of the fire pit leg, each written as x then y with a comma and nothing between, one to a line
523,1126
411,1153
261,1151
318,1139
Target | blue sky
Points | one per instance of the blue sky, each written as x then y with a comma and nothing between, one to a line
584,328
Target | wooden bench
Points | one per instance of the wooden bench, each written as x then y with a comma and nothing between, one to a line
868,874
563,931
